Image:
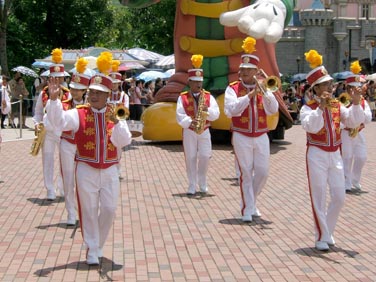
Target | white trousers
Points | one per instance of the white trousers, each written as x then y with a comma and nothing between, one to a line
97,195
197,152
325,168
67,163
51,142
354,155
252,154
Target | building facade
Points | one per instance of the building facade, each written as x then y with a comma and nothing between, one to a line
342,31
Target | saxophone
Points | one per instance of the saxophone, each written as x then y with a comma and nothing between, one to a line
201,115
40,133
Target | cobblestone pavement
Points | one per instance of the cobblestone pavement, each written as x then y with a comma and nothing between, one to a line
160,234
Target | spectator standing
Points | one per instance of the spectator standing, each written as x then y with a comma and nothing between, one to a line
5,90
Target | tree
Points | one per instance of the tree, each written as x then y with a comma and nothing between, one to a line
5,6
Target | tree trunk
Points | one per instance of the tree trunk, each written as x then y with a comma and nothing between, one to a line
3,52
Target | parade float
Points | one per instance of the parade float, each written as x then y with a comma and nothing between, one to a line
216,30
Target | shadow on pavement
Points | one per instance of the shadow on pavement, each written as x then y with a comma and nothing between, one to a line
312,252
45,202
103,268
197,196
255,222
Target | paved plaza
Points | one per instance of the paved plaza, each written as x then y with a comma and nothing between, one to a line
160,234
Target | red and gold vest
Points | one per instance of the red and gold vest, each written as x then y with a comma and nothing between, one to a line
329,137
253,120
64,95
95,147
361,126
190,107
68,135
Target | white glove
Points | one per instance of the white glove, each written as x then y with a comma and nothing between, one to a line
264,19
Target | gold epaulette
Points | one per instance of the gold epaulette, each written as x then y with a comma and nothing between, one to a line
311,102
184,93
64,89
67,101
234,82
83,106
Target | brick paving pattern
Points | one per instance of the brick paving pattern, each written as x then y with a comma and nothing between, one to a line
160,234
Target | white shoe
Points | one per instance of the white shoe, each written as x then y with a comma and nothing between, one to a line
71,221
92,258
247,218
331,241
51,195
100,253
191,191
322,246
256,213
204,189
357,186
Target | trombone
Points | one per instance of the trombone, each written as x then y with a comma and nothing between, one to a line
269,83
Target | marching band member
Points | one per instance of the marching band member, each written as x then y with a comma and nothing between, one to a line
195,110
52,137
98,134
117,97
321,118
78,87
354,147
248,108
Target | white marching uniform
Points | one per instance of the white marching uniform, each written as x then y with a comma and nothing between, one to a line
119,97
50,144
197,147
67,165
354,152
252,153
97,188
325,166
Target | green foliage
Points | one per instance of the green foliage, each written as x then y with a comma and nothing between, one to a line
35,27
152,27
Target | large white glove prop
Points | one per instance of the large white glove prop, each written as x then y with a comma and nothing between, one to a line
264,19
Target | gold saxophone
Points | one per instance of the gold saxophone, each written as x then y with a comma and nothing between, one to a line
201,115
40,133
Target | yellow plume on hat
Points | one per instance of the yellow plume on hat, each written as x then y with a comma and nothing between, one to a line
313,58
197,60
115,65
355,67
249,44
104,62
57,55
81,64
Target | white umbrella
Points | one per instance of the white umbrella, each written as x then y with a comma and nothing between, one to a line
145,55
151,75
41,65
25,71
92,62
47,73
169,72
371,77
167,62
87,71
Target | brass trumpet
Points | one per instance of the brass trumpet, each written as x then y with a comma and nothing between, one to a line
121,112
269,83
345,99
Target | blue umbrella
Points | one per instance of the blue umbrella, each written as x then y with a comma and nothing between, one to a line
151,75
341,75
41,65
298,77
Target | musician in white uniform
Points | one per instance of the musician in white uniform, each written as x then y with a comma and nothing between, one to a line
354,147
248,107
98,134
116,98
78,87
197,145
321,118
